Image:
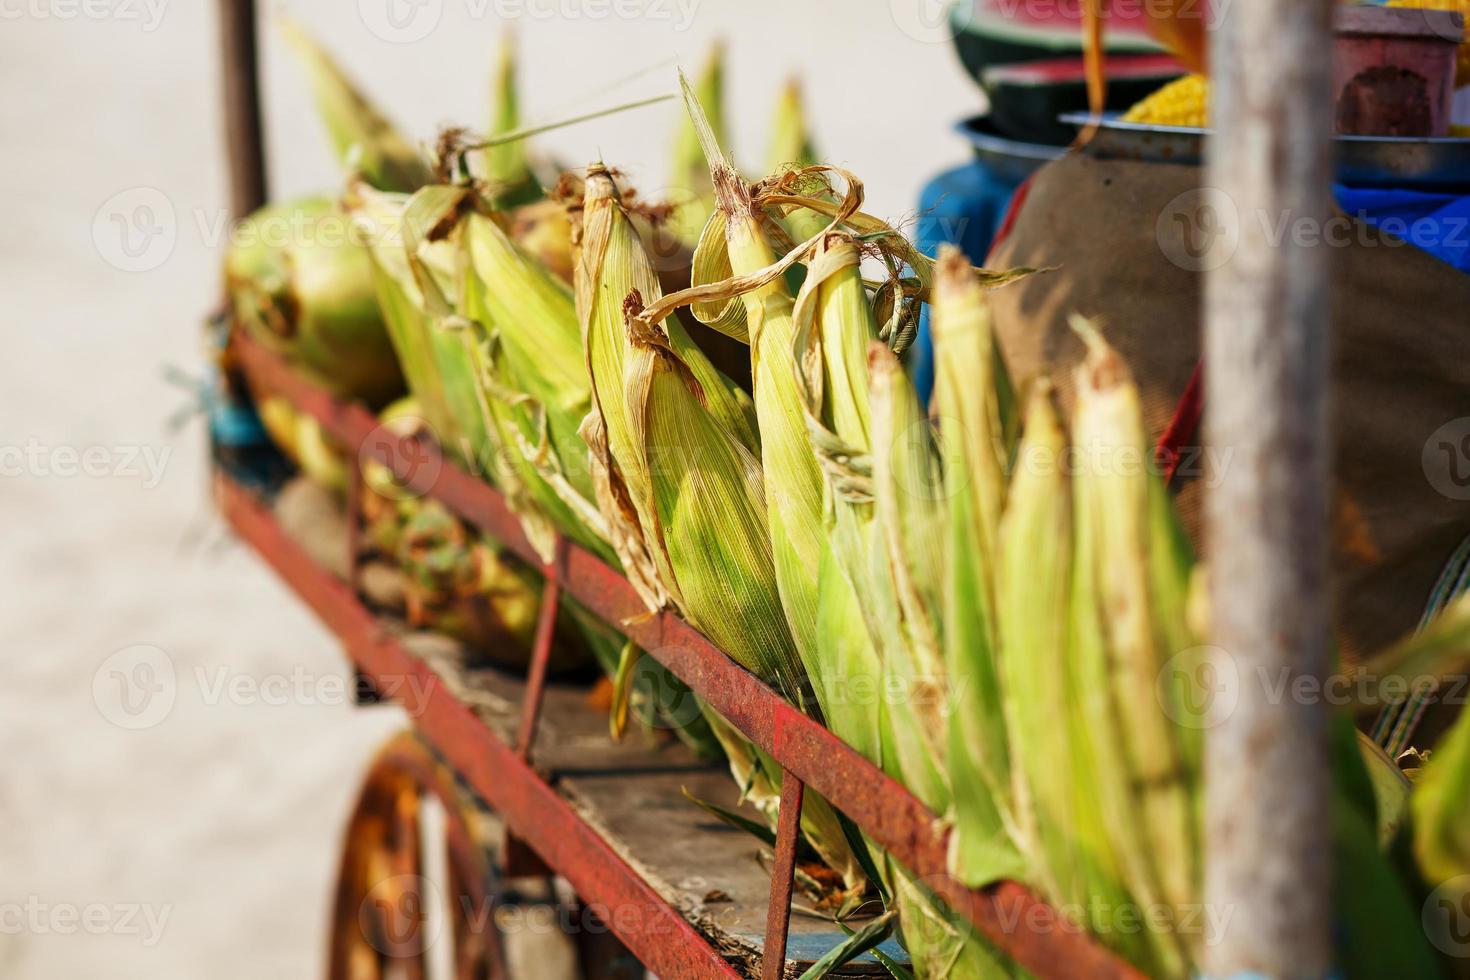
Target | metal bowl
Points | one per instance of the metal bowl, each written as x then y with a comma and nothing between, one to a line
1427,163
1006,158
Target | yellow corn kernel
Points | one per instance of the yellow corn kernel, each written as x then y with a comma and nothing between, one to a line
1183,102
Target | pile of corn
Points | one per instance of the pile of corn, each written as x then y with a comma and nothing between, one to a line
1186,100
1182,102
988,600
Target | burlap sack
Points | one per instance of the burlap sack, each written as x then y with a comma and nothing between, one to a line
1401,372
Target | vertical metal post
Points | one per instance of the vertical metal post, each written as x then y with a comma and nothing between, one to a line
541,652
783,874
354,526
244,139
1268,825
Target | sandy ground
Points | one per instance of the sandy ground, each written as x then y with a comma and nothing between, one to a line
179,758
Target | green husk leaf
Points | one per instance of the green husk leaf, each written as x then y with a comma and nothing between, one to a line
975,456
759,831
791,142
857,943
507,165
365,141
1440,804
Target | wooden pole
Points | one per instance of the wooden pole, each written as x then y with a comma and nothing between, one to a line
1268,825
244,140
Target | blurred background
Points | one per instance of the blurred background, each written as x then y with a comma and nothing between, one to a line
180,749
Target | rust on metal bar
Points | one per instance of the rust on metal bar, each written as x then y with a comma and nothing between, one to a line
783,876
540,655
1009,914
656,933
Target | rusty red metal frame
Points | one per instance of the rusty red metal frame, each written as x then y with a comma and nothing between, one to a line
1009,914
783,877
658,935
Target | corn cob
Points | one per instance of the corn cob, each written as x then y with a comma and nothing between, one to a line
507,166
534,319
1126,745
908,489
542,229
794,501
833,324
908,492
531,384
435,347
1032,579
1440,801
691,174
791,142
300,286
365,141
1183,102
976,454
612,264
705,486
679,444
303,441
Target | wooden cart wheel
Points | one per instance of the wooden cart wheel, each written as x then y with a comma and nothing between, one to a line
400,905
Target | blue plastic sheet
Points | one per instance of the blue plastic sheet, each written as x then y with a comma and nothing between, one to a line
1437,223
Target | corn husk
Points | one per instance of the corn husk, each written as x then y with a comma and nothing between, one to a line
507,166
365,142
977,451
791,141
301,286
707,502
908,489
684,484
833,324
436,347
303,441
794,480
543,230
690,173
705,486
1032,587
612,265
1440,803
532,383
1143,834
